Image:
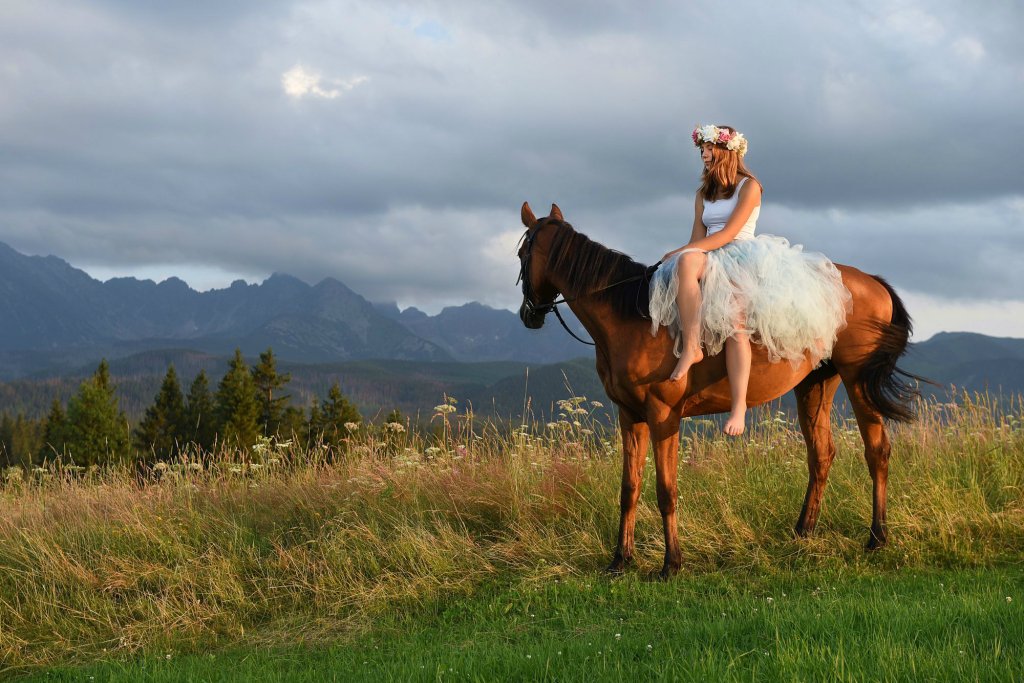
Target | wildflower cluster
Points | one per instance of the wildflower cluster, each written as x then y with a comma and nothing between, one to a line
577,423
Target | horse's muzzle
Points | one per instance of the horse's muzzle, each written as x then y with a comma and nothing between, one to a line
531,317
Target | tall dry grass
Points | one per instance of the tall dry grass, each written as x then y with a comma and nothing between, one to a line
286,545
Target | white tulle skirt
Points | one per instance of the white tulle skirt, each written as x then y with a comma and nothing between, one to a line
790,301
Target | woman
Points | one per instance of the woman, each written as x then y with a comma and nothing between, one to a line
726,285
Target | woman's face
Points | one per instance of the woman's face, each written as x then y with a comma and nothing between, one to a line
705,154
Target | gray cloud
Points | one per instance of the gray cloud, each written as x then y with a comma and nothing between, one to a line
154,133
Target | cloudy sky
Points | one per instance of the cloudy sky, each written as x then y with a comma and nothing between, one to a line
389,145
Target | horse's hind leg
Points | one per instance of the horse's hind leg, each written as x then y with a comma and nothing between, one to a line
876,453
814,407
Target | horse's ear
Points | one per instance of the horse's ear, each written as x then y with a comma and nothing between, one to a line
556,213
529,220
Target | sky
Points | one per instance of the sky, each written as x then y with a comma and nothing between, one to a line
390,145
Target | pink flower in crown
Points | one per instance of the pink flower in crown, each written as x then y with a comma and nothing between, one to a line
694,135
724,136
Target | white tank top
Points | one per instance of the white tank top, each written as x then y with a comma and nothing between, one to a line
716,215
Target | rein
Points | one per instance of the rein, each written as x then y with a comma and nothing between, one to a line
524,277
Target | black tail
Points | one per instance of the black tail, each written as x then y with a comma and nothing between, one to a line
891,391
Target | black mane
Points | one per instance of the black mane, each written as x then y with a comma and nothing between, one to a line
588,267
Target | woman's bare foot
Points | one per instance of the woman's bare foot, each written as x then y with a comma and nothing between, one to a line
684,365
736,423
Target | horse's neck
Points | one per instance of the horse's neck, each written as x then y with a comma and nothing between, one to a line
595,316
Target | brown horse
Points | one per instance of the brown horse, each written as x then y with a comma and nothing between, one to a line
608,292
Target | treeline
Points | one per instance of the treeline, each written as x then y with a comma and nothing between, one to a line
247,403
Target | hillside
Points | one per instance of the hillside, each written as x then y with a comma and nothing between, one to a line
498,388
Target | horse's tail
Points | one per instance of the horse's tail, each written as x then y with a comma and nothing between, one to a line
890,390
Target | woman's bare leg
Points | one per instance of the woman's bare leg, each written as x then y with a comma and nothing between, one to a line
690,268
737,364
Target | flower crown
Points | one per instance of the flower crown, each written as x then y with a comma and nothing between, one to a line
733,141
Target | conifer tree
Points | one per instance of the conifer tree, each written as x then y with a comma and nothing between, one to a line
162,429
236,406
97,431
271,404
200,425
54,432
293,424
21,440
313,426
28,439
336,417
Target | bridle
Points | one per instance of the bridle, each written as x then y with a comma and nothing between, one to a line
543,309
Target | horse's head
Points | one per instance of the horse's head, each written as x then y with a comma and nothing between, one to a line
538,291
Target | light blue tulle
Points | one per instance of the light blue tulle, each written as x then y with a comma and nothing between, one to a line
790,301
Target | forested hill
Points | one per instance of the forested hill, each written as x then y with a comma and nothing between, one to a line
494,389
958,361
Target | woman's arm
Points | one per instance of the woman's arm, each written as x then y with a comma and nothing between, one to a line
750,197
699,229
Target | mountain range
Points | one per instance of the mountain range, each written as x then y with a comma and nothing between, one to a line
56,318
57,322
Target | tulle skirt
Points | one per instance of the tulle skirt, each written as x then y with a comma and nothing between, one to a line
790,301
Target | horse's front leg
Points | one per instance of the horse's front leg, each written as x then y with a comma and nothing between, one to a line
635,438
665,435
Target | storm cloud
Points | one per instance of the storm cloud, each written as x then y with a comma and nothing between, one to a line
389,145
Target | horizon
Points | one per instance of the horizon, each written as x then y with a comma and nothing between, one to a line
981,314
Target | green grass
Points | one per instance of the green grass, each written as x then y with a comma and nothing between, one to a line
952,625
408,552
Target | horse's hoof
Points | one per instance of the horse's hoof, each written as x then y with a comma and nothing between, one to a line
617,567
875,543
667,572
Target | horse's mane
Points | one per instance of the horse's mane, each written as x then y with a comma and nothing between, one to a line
588,267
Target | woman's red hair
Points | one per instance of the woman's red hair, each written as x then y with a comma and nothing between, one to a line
721,178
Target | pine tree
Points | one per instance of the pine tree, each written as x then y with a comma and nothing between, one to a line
161,431
97,431
336,417
54,432
237,409
26,440
293,424
200,425
268,381
314,432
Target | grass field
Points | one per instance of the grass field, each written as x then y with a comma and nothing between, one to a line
478,558
955,624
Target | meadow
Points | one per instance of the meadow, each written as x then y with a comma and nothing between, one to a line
475,553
